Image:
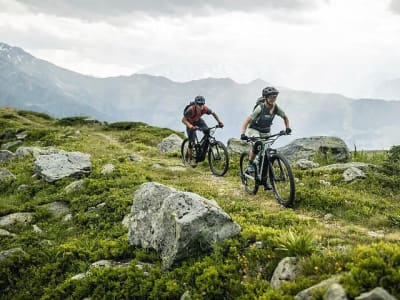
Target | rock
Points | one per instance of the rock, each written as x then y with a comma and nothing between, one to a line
22,135
176,224
6,156
57,208
377,293
306,148
37,229
286,270
14,251
305,164
108,169
135,158
5,174
324,182
238,146
67,218
307,294
55,166
344,166
335,292
353,173
74,186
171,143
10,145
15,218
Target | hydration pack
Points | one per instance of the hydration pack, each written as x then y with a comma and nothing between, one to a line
264,119
187,106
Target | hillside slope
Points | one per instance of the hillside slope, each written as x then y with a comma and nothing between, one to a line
351,229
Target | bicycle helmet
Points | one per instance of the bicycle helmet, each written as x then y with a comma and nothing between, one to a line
199,100
269,91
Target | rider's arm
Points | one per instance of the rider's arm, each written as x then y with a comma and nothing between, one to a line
216,117
187,123
245,124
286,120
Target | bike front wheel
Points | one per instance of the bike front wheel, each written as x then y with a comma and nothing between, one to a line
249,179
185,153
218,158
282,180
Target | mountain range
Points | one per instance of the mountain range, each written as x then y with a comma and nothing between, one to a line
30,83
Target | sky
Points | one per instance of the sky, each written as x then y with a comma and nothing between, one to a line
336,46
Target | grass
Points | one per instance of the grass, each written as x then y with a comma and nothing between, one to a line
237,268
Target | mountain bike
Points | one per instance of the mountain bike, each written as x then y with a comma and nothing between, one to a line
218,157
268,163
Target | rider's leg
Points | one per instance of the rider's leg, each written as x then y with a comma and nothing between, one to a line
252,133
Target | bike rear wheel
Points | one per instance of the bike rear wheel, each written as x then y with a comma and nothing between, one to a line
249,180
218,158
282,180
185,154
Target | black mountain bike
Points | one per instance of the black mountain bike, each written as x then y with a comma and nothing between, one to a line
268,162
218,157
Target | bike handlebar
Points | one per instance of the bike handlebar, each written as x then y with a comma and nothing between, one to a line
254,139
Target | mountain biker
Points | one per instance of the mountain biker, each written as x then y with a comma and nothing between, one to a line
258,123
193,121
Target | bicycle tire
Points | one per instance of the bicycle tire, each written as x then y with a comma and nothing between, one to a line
282,180
249,181
218,158
184,153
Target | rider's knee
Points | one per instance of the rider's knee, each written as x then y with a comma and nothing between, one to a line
257,147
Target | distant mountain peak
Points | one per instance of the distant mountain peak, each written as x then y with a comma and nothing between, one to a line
14,54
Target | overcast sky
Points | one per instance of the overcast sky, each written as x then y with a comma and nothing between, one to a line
340,46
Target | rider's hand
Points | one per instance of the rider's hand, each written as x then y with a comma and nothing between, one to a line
194,128
243,137
288,130
221,125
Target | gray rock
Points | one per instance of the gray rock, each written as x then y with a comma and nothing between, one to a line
237,146
176,224
22,135
55,166
14,251
37,229
306,148
10,145
353,173
107,169
135,158
171,143
5,174
377,293
307,294
74,186
15,218
57,208
344,166
305,164
287,270
335,292
6,156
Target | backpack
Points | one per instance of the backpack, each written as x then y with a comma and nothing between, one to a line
261,101
187,106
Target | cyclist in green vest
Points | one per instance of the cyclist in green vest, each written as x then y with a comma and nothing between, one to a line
258,123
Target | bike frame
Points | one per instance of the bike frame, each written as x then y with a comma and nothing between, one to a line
263,162
205,142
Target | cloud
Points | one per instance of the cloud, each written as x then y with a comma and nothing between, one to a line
395,6
95,9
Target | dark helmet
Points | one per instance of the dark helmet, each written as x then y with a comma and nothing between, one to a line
269,91
199,100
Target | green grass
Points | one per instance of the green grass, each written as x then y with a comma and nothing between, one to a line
235,269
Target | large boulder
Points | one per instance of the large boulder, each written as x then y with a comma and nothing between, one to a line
60,164
306,148
171,143
176,224
238,146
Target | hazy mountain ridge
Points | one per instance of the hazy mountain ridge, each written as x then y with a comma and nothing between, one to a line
30,83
